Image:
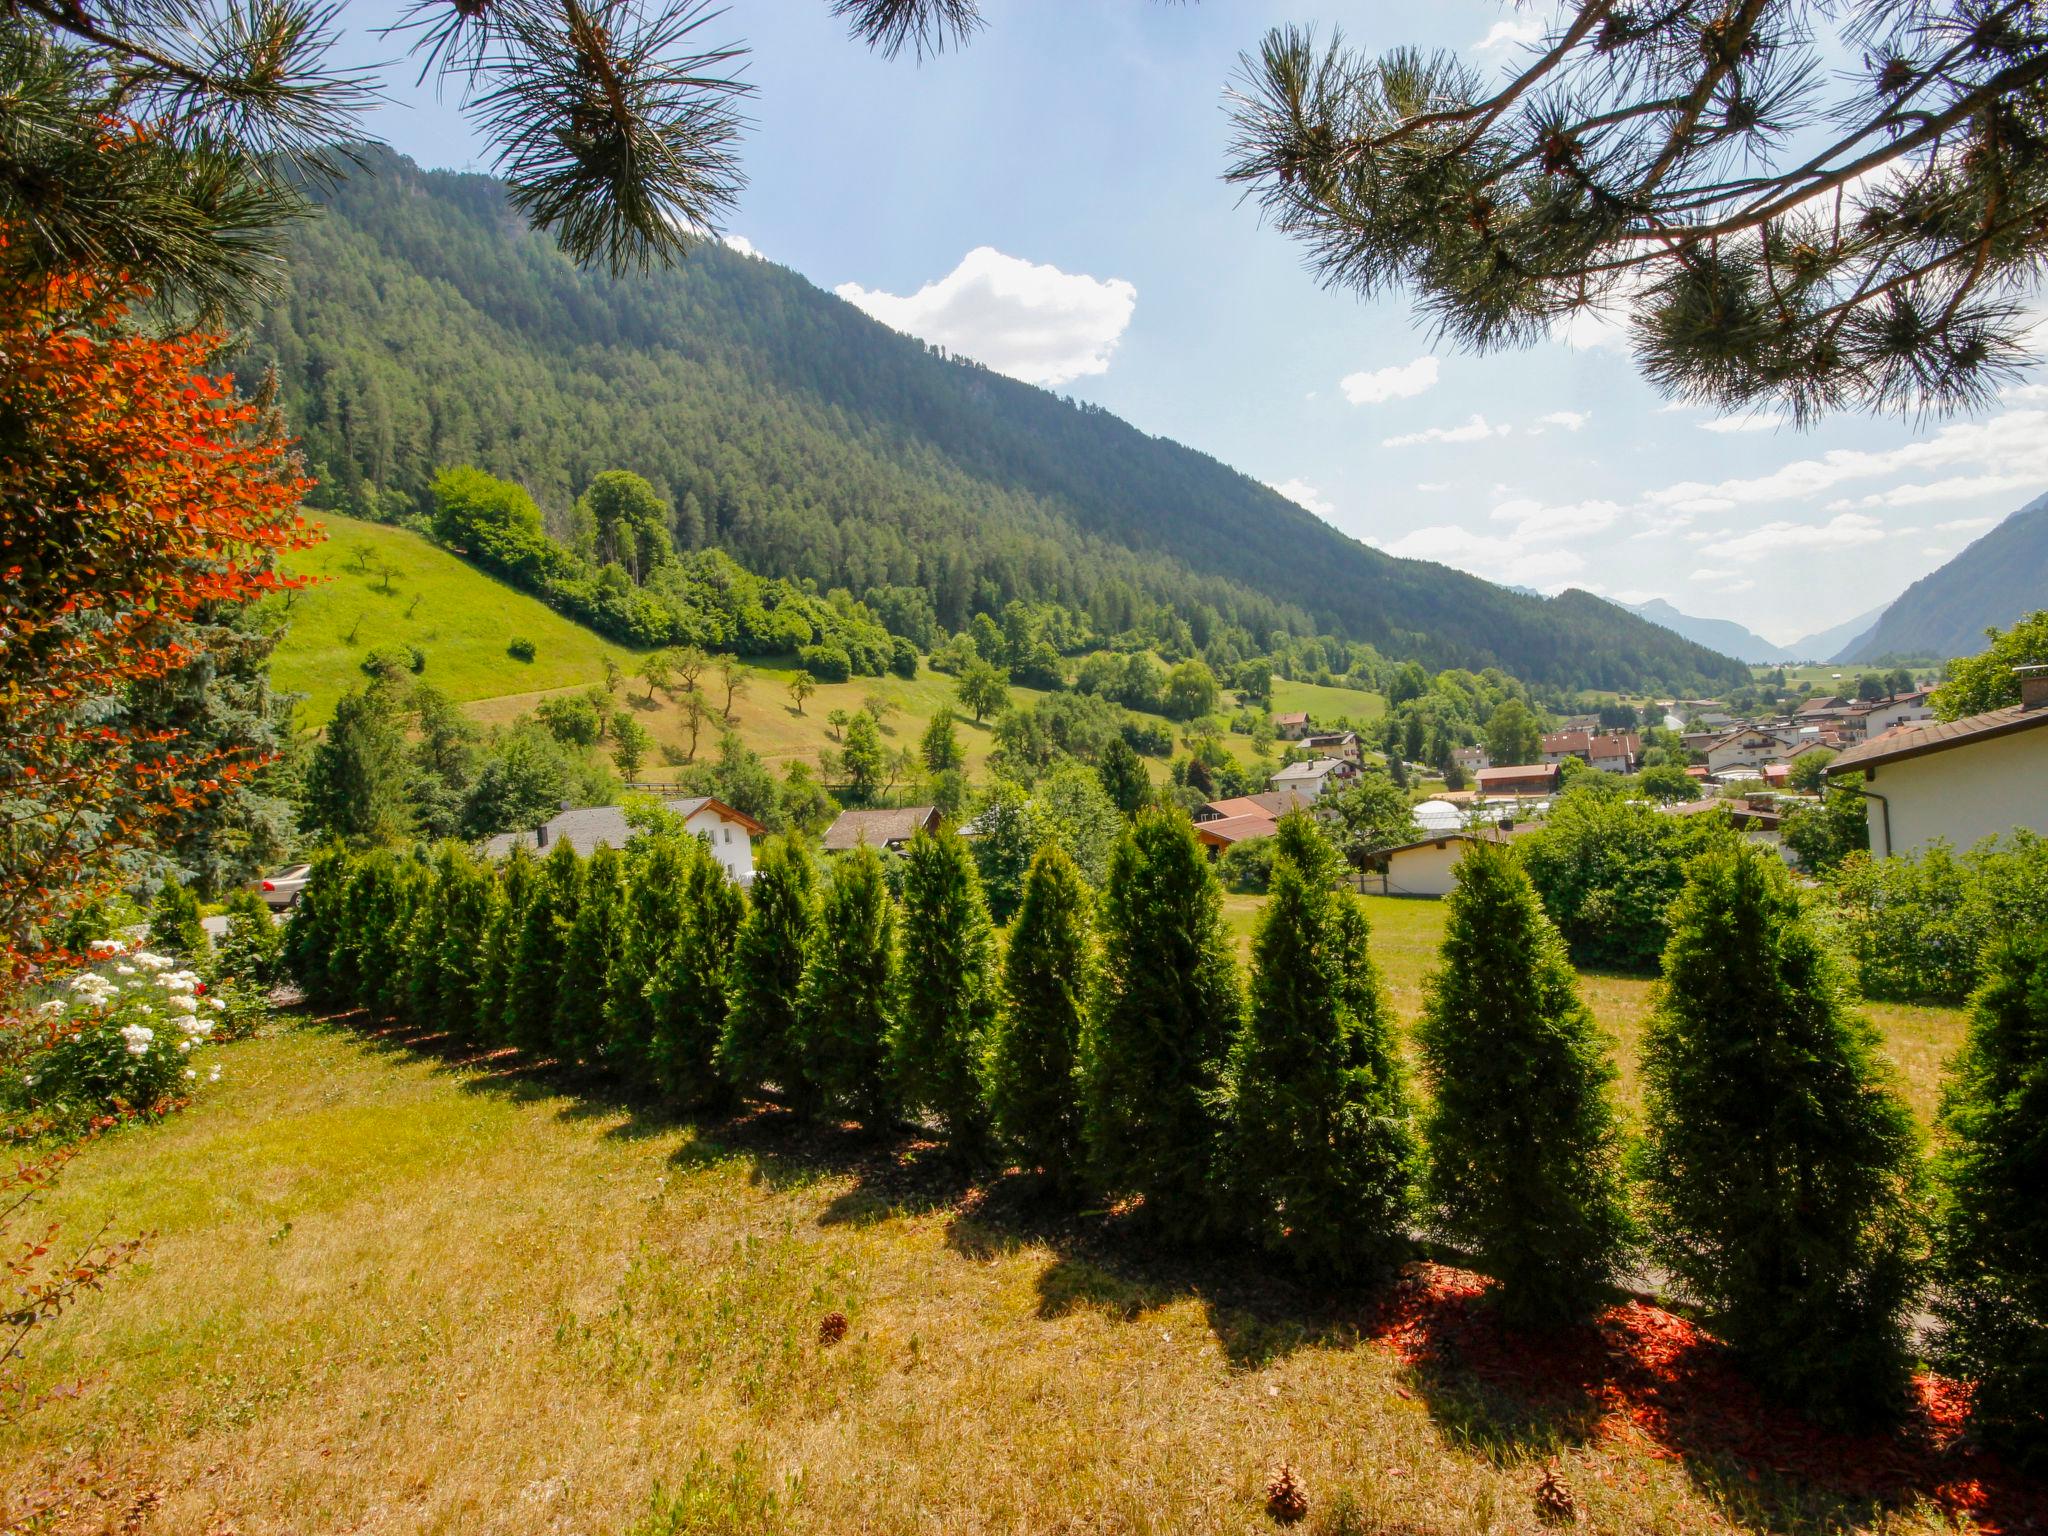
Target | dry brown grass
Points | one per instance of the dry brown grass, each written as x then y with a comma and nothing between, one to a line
397,1293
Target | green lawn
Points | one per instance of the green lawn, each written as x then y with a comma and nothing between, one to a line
395,1291
379,585
1325,705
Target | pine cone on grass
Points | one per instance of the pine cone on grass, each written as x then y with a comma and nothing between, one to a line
832,1328
1555,1504
1286,1499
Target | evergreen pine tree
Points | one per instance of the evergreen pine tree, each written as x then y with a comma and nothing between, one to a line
762,1042
366,914
511,891
1524,1149
1032,1079
1123,776
1781,1174
174,925
1165,1009
452,948
945,983
1993,1236
313,933
387,963
1321,1155
688,994
418,984
590,948
653,926
252,950
846,1002
537,961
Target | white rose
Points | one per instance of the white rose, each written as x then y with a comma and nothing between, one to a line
182,1004
138,1037
124,970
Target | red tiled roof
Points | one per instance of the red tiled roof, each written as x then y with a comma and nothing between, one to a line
1903,741
1226,830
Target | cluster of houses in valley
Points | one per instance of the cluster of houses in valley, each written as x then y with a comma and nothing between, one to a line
1923,780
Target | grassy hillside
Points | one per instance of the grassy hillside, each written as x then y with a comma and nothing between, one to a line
379,585
1326,704
396,1291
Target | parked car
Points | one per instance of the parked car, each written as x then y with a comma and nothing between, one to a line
282,889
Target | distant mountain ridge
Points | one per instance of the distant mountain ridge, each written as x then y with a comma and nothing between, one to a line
1999,578
1723,635
426,325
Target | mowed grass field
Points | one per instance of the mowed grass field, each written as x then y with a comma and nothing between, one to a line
397,1290
376,585
1326,705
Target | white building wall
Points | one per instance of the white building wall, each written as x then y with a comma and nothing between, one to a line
1430,870
1978,789
730,843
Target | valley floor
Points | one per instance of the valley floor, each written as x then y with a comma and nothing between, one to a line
393,1291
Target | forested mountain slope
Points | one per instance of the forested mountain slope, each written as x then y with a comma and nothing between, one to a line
426,326
2000,578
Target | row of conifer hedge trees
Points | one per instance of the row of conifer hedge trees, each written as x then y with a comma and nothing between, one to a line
1111,1046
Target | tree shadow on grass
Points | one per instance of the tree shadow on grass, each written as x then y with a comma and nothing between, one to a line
1638,1374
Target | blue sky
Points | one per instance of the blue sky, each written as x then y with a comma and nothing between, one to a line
1050,201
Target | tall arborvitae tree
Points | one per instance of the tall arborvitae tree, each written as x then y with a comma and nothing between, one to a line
1781,1173
654,923
1032,1071
945,988
1524,1149
688,995
762,1043
367,914
1993,1236
537,960
511,891
1165,1010
386,972
1320,1154
456,945
846,1004
419,983
313,936
590,948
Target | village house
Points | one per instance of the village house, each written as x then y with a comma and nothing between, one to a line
1314,777
1519,779
1607,751
1426,867
1220,833
1291,727
1273,804
1471,759
1957,780
885,831
1749,747
1332,744
1860,725
729,833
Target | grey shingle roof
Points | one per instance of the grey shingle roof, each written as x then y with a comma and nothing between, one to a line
1937,736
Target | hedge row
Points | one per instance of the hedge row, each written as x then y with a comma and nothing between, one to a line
1112,1046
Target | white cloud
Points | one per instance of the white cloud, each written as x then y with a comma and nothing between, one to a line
1536,523
739,243
1843,531
1516,33
2014,443
1498,558
1955,488
1431,487
1570,421
1755,421
1472,431
1964,524
1302,494
1402,382
1657,525
1707,573
1031,321
2030,392
1936,552
1596,328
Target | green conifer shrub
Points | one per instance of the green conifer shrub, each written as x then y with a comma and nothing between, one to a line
945,988
1781,1174
1165,1009
450,947
174,925
252,949
512,887
314,932
1992,1240
846,1004
388,963
367,912
590,948
653,925
1031,1074
763,1042
688,994
1320,1153
537,961
1524,1150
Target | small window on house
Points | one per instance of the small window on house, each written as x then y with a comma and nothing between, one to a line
728,834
